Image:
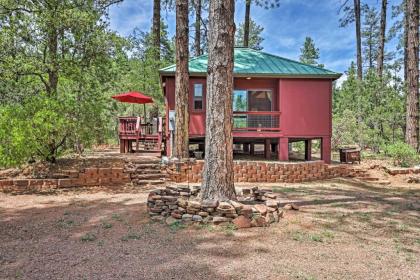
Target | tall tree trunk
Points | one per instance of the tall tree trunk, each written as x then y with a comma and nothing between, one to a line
156,28
197,36
181,80
52,85
358,39
247,22
405,40
218,169
381,49
412,118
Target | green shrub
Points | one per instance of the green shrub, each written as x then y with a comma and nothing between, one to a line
402,154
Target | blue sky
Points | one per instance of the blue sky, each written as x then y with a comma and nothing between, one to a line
285,28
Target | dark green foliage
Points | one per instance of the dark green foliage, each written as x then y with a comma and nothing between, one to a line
255,35
369,113
60,64
309,54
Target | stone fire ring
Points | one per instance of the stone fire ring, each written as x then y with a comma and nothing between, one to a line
255,207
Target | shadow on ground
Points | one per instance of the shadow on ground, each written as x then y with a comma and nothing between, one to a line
343,230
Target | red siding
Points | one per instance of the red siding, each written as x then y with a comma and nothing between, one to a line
305,106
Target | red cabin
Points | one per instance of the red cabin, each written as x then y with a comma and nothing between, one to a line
276,101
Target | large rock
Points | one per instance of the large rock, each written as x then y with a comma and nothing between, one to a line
194,204
197,218
226,208
219,220
203,214
176,215
272,203
182,202
169,198
187,217
291,206
261,208
225,205
242,222
246,211
270,195
237,205
259,222
209,203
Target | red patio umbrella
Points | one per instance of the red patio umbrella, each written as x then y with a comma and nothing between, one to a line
134,97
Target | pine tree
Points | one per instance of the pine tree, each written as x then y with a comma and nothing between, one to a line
370,35
181,81
381,47
412,118
309,54
218,169
255,36
156,28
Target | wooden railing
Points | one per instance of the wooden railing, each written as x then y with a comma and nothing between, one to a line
256,121
134,129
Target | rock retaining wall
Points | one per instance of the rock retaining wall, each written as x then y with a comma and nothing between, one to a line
400,170
264,171
115,174
256,207
73,178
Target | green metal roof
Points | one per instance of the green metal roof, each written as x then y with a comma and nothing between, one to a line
250,62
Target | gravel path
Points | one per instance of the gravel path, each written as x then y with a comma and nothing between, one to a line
342,231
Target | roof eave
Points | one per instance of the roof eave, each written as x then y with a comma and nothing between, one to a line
333,76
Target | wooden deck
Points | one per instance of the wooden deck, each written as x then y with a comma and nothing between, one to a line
146,136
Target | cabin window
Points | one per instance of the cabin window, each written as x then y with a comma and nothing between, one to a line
198,97
245,101
252,100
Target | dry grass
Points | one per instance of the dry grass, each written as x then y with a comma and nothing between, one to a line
344,230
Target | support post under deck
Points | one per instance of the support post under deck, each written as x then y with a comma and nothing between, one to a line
283,149
308,149
267,148
326,149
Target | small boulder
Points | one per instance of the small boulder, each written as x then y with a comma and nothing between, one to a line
261,208
219,220
187,217
203,214
182,202
209,203
242,222
272,203
176,215
194,204
246,211
237,205
258,222
270,195
291,206
197,218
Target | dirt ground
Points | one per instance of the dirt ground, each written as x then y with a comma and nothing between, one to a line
343,230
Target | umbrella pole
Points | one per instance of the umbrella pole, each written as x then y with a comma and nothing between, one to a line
144,111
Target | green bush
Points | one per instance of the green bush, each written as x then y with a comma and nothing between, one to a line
35,129
402,154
